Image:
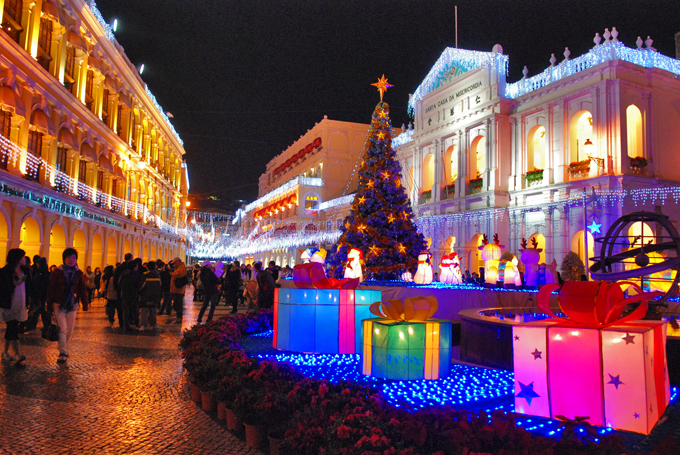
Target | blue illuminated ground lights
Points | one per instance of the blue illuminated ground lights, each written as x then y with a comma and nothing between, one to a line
467,387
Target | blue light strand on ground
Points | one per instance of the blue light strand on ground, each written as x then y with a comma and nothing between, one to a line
466,385
268,333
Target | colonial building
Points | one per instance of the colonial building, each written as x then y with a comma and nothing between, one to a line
305,194
485,156
88,158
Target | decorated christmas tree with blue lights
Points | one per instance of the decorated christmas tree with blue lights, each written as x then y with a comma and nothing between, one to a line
380,223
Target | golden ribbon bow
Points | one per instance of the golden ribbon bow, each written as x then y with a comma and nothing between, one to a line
413,309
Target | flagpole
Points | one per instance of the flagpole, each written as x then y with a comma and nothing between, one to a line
456,9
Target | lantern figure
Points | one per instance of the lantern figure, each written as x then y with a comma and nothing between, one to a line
449,267
319,256
307,255
424,271
353,268
491,253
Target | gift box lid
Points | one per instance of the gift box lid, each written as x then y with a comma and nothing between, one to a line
392,322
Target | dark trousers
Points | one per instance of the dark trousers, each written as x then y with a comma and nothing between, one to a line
111,307
178,304
130,309
265,299
36,312
208,300
167,303
232,299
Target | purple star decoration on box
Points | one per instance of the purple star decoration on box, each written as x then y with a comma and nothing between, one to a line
615,381
537,354
527,392
629,338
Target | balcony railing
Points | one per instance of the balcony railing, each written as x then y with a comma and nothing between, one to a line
34,167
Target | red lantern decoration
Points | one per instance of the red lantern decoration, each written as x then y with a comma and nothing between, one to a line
316,143
309,148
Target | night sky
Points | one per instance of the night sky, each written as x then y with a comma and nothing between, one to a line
244,79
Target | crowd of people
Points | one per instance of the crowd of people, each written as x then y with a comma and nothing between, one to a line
138,292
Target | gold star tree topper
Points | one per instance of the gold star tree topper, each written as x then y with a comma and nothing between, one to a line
382,86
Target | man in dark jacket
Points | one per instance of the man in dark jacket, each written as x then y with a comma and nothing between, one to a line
233,283
274,270
266,285
130,283
165,286
119,271
211,291
150,297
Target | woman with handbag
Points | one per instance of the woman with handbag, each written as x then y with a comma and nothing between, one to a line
15,288
66,282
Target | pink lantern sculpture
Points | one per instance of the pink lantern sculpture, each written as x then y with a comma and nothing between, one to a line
593,365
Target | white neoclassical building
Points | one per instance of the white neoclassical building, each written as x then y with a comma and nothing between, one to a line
485,156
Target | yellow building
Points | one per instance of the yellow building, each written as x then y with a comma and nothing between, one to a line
305,194
87,156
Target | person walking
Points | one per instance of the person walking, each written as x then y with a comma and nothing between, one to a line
41,280
165,287
266,285
130,283
89,276
112,302
150,297
250,296
178,283
233,282
67,283
15,289
98,281
211,291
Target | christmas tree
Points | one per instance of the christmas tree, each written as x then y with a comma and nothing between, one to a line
380,222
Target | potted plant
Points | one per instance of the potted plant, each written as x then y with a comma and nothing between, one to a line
638,164
579,167
476,185
450,190
533,177
425,197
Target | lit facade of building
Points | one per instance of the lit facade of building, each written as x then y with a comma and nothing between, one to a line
305,194
88,158
485,156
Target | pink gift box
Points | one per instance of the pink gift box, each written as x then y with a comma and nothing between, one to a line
616,376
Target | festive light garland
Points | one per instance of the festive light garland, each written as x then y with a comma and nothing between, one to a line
457,61
31,166
337,202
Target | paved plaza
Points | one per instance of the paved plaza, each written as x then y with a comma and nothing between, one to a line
118,393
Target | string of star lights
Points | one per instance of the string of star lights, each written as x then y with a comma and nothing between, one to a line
31,166
653,195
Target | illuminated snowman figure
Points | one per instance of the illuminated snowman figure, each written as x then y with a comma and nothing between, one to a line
353,267
450,269
407,276
424,271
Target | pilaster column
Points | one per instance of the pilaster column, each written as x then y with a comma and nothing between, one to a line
549,245
436,184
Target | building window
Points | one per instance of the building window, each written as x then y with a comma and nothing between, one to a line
100,180
69,68
311,205
35,143
82,171
116,187
5,123
89,83
45,43
119,122
61,159
11,23
105,104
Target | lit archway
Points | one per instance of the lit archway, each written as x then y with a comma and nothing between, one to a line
450,165
634,132
145,253
4,237
428,172
536,148
127,247
477,157
57,244
640,234
153,255
578,244
30,237
80,244
111,251
97,251
475,256
449,245
581,136
540,241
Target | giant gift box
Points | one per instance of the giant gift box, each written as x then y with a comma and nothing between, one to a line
404,344
326,321
594,364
